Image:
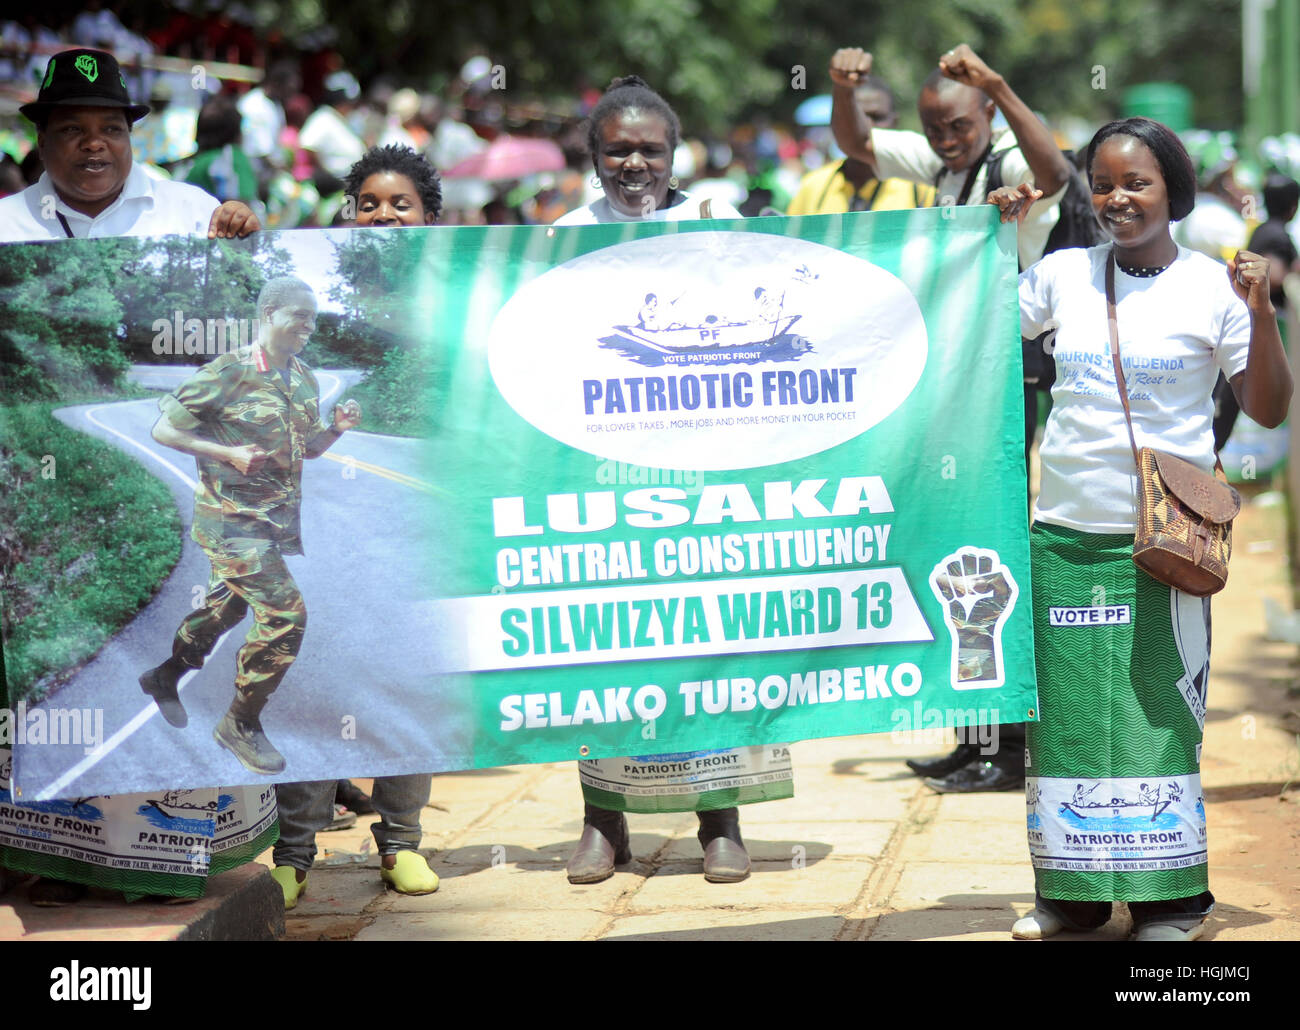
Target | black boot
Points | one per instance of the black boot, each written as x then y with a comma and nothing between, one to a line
240,733
950,763
604,845
725,857
160,684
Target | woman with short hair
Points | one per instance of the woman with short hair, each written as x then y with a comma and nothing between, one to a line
1116,810
632,134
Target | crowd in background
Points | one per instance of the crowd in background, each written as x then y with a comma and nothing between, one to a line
283,121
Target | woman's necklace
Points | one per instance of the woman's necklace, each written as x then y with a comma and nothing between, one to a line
1142,273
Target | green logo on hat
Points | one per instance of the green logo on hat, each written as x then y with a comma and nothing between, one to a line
49,73
88,67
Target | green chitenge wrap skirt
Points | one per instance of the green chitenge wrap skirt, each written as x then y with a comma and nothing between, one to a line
1113,788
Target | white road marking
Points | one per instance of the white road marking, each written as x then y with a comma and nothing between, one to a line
90,417
151,709
54,790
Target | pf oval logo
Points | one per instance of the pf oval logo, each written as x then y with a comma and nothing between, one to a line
708,351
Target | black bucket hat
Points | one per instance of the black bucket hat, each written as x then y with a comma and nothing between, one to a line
82,78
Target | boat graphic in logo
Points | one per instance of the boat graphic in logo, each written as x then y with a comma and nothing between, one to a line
664,332
1148,810
708,350
166,813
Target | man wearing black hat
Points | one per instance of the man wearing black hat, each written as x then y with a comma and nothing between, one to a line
90,188
83,118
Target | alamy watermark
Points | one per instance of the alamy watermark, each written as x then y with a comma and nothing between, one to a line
79,726
207,337
935,726
619,473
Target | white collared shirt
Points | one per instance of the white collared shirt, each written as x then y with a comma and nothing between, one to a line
145,207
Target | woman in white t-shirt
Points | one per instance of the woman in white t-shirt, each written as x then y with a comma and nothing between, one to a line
632,134
1115,809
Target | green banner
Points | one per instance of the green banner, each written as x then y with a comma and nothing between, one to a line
793,508
617,490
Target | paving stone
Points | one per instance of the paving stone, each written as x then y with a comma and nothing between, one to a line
324,927
966,842
777,842
1000,806
345,891
943,924
825,885
517,887
841,805
760,925
964,885
479,925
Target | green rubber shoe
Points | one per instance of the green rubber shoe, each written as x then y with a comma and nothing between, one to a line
287,877
411,874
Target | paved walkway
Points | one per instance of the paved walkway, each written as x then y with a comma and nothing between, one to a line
863,851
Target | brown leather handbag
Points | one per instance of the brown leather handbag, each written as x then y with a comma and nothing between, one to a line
1184,523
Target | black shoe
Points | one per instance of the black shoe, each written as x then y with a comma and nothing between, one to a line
940,767
977,776
604,845
349,794
244,739
160,684
50,893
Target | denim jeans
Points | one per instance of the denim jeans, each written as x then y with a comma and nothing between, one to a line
308,807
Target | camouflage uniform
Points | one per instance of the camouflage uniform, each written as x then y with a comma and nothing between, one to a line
246,523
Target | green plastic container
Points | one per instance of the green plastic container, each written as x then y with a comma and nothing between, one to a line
1166,102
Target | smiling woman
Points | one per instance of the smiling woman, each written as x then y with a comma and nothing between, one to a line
1118,746
394,186
632,134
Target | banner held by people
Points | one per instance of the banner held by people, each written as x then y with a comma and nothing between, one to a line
640,489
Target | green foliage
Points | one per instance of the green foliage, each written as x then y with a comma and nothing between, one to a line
77,313
86,536
61,320
376,283
394,396
721,62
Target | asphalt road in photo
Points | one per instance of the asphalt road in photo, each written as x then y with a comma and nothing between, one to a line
367,506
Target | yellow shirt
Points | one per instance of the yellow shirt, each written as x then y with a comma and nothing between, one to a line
827,192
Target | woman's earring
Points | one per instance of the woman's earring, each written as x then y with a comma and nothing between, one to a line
672,183
596,184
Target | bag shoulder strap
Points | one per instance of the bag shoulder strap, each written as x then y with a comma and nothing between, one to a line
1112,323
873,195
993,181
964,196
